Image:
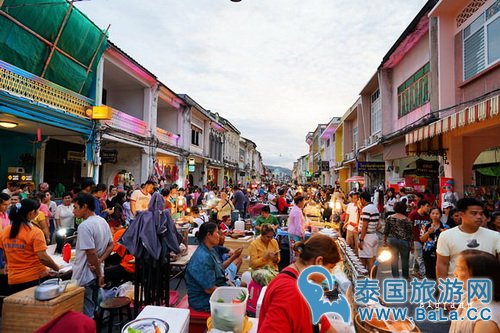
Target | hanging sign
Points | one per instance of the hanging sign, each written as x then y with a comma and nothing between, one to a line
109,156
371,166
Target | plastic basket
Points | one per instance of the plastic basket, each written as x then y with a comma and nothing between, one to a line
228,316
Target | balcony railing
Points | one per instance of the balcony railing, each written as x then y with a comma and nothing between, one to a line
20,83
166,137
125,122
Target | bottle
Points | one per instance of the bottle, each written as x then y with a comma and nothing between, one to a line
239,225
66,252
237,282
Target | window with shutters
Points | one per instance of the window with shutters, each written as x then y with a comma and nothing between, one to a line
481,42
376,112
414,92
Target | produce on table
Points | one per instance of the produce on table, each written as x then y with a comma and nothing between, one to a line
133,330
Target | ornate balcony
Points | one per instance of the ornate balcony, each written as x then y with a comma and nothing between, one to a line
22,84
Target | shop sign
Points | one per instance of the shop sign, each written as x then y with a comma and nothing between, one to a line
371,166
109,156
76,156
191,168
16,177
427,168
325,166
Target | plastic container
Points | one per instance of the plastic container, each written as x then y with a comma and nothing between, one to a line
239,225
228,316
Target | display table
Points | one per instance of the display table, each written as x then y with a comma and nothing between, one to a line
244,242
184,260
57,257
23,313
177,319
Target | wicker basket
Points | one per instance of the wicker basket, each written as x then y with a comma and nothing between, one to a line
22,313
360,328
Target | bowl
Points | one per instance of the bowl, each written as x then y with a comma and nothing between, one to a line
145,325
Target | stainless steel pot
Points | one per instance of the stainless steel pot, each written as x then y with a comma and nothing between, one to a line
49,289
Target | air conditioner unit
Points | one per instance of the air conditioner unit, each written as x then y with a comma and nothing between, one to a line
15,170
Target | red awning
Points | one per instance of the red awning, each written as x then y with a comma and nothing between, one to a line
478,112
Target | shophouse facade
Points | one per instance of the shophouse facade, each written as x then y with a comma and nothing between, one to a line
47,132
407,94
328,174
465,132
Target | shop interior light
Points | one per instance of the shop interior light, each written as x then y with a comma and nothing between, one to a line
8,124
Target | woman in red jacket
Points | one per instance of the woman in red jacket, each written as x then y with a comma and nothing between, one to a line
282,205
284,309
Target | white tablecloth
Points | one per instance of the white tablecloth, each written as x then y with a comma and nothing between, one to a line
177,319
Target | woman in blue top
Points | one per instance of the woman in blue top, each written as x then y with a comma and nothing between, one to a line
204,273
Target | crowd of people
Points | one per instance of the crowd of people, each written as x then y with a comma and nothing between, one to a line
431,238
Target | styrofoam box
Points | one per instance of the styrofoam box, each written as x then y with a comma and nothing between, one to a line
259,301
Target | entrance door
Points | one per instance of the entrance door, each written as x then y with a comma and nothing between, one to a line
63,163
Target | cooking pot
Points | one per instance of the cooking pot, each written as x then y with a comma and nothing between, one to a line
49,289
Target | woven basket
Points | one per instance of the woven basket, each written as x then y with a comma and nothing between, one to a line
23,313
360,328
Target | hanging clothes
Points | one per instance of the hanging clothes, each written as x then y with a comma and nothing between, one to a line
153,233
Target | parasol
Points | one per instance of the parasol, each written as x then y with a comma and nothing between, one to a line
355,179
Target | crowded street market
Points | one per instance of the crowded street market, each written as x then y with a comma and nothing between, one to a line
346,178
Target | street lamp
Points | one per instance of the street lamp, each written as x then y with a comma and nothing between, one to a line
384,256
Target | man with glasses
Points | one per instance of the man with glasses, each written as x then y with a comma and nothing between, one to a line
468,235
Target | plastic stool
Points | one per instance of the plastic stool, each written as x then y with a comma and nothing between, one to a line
112,305
197,319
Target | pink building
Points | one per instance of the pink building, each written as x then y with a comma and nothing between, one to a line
405,84
467,70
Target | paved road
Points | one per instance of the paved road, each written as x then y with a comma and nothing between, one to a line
426,326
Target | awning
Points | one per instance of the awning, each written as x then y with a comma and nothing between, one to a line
61,45
478,112
394,150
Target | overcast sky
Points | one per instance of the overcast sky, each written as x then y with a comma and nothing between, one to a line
274,68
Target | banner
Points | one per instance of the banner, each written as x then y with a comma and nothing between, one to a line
371,166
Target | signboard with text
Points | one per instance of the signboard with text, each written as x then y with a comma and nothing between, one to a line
371,166
109,156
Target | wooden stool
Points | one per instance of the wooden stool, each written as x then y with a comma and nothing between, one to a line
112,305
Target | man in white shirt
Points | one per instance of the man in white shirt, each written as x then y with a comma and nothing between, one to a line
139,200
352,221
468,235
368,239
93,245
